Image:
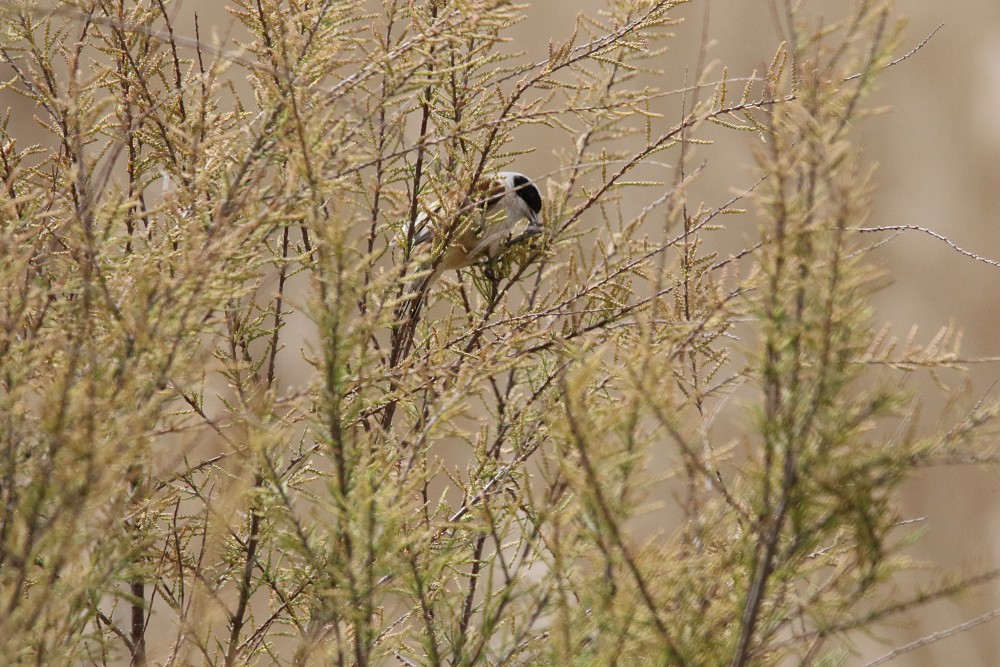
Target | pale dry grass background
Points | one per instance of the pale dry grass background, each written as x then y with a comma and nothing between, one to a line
939,156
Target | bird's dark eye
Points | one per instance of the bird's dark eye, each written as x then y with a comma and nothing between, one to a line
527,191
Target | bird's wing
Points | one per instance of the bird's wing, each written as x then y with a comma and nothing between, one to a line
487,195
420,230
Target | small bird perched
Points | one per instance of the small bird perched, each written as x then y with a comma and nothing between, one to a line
500,202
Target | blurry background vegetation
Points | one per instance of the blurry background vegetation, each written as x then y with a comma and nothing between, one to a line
274,507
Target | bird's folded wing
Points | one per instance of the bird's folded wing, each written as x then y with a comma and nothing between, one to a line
420,230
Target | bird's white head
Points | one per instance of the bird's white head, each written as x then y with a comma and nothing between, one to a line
521,199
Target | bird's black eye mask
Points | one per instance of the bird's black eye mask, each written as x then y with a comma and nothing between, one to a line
527,191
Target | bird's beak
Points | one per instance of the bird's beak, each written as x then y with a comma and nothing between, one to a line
534,224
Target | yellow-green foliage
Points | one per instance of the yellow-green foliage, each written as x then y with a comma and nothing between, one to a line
233,430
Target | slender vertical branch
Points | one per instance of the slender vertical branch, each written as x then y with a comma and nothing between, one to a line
250,547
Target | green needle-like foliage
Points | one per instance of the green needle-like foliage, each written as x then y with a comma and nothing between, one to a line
238,427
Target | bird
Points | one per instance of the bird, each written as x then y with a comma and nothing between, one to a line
498,203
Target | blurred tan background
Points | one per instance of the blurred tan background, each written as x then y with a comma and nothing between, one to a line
938,152
938,157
